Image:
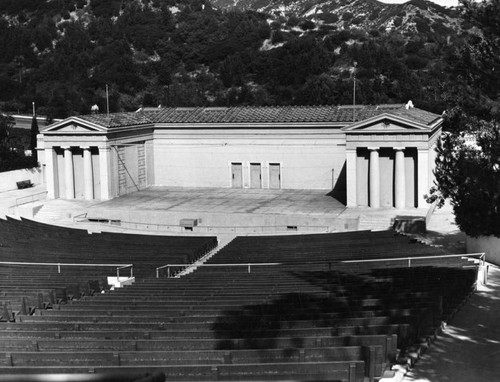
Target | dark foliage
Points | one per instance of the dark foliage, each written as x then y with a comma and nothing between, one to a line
469,176
12,146
62,54
15,161
33,133
468,163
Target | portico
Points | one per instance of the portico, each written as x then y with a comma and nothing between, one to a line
388,162
75,172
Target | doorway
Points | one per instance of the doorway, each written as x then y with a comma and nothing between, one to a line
236,175
255,175
274,176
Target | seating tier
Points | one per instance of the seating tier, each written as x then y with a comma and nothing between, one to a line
311,317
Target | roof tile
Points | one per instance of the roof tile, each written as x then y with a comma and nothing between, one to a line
258,114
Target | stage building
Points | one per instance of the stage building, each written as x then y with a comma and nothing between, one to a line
377,156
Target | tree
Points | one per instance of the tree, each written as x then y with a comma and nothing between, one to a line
34,133
468,161
468,174
319,90
7,122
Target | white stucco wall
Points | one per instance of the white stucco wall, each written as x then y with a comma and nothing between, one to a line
487,244
311,158
8,179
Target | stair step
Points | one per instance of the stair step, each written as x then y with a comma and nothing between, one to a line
208,256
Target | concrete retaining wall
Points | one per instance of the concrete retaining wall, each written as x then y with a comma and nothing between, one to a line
488,244
224,222
8,179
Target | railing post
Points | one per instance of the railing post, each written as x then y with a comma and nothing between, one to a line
58,267
157,272
168,272
248,267
117,273
409,262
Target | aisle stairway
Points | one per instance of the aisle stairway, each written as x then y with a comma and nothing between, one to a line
223,240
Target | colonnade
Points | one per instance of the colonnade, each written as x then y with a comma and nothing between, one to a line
61,181
420,177
399,178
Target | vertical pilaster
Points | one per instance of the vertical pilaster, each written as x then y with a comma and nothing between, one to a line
88,179
50,174
374,177
351,178
399,179
69,185
104,168
423,176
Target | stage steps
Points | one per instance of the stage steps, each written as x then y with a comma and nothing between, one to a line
375,222
59,210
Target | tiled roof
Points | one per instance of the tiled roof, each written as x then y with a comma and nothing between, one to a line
417,115
254,114
118,119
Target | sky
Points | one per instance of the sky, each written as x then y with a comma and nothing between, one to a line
444,3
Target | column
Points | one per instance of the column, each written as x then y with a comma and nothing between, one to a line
51,175
399,179
423,176
68,173
374,178
351,178
104,168
88,179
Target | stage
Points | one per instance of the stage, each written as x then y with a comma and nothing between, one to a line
225,210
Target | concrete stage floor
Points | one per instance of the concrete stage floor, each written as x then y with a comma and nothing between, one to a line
230,200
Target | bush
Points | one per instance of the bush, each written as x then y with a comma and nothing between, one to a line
416,62
329,18
347,16
277,37
398,21
357,20
307,25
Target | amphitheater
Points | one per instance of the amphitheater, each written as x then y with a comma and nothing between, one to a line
238,283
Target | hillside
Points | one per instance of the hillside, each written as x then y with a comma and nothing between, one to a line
416,16
61,54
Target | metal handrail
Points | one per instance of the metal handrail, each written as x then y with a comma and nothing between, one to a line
125,266
82,215
30,199
481,255
59,265
249,265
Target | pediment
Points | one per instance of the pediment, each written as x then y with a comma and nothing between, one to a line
74,125
386,123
